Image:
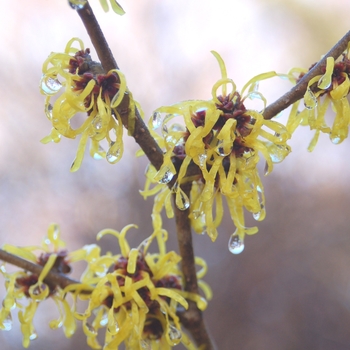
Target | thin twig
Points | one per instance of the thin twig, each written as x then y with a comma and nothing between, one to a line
298,90
52,278
192,318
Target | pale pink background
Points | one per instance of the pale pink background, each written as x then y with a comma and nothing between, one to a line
290,288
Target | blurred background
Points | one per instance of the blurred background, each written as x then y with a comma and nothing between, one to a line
290,288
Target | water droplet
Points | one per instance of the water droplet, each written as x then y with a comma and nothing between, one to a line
335,139
7,323
202,160
182,201
145,344
310,101
34,335
197,214
259,216
164,175
99,154
220,150
174,334
49,85
156,120
235,244
113,156
104,320
77,4
278,152
48,110
113,328
91,328
97,123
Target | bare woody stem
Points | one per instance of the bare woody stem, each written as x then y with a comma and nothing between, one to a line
298,90
192,319
52,278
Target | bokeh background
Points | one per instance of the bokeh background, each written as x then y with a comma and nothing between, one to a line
290,288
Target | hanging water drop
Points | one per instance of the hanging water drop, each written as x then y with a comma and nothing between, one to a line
48,110
97,123
202,160
91,328
174,334
145,344
7,323
49,85
310,100
235,244
156,120
113,156
260,215
104,320
113,328
182,201
335,139
164,175
34,335
77,4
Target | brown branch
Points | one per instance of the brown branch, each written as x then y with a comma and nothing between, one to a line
52,279
192,318
298,90
141,133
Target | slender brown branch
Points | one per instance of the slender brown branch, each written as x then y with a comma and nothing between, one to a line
141,133
298,90
191,318
52,279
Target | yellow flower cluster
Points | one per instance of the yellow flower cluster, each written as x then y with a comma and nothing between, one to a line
223,139
32,288
134,295
330,88
79,4
86,90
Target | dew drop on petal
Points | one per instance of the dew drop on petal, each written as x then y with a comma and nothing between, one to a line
310,101
77,4
91,328
164,176
48,110
260,215
174,334
182,201
97,123
113,157
235,244
104,320
335,139
34,335
145,344
49,85
7,323
202,160
156,120
114,328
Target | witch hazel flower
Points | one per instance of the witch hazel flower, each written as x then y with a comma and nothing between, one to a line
223,138
330,89
23,285
74,85
136,300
